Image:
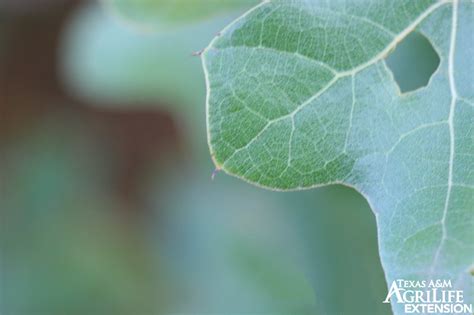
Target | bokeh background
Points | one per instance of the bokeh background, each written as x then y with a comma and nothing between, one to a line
107,204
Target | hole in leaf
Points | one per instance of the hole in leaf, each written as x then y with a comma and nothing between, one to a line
413,62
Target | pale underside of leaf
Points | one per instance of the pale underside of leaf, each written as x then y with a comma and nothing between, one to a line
299,96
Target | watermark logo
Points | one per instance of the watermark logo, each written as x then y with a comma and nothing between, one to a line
428,297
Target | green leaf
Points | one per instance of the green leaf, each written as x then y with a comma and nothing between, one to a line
299,96
159,14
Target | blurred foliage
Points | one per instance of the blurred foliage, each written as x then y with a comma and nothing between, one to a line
163,14
63,250
236,266
119,66
261,251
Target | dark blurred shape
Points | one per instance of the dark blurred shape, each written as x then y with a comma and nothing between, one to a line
28,80
139,139
20,7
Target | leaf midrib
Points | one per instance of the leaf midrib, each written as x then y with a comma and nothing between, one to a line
454,96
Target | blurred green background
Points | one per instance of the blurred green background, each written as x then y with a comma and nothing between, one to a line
107,204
